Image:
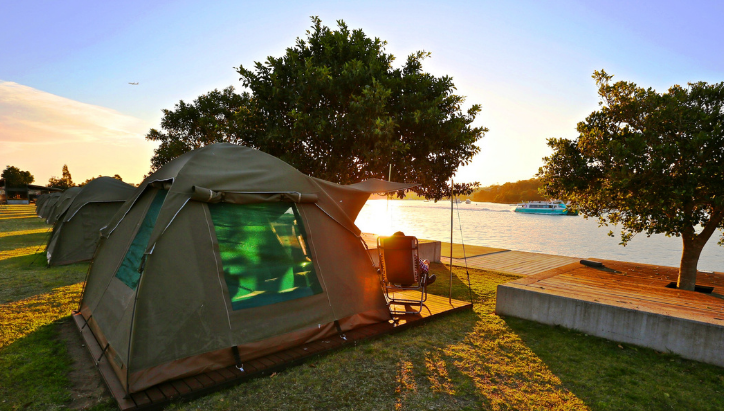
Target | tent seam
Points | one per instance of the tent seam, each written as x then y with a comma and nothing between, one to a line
225,304
321,272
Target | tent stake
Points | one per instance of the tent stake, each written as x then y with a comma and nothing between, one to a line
451,244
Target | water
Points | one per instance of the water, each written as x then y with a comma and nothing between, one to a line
496,225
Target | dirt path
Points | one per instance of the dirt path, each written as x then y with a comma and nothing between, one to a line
87,387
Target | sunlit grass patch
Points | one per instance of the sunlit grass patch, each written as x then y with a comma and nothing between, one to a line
24,232
18,252
22,224
20,318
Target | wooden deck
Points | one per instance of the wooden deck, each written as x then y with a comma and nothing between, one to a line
514,262
636,286
202,384
626,302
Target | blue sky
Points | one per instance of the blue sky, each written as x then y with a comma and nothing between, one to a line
65,97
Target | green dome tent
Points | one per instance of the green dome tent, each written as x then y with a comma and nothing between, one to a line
76,232
39,202
62,204
223,255
45,209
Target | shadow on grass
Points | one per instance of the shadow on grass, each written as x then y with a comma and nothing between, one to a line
27,276
610,376
33,371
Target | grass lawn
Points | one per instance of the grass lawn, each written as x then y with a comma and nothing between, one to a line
468,360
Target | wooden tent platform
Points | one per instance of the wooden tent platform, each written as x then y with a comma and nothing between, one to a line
626,302
202,384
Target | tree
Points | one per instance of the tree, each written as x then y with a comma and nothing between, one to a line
651,161
522,190
64,182
14,177
335,108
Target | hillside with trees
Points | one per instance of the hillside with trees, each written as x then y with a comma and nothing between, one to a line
523,190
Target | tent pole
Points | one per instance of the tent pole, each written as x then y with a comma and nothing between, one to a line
451,244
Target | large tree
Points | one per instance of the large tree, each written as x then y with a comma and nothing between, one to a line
64,182
335,108
649,161
15,177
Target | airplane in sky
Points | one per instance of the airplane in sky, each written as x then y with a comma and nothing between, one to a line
134,84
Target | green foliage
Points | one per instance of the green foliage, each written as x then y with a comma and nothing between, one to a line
335,108
523,190
64,182
652,162
14,177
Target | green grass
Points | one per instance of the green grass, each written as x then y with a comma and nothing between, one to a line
464,361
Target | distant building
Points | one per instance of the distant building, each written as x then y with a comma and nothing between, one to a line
24,194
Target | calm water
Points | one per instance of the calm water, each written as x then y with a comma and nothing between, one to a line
496,225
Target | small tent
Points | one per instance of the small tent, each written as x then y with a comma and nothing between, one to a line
48,204
39,202
76,233
62,204
223,255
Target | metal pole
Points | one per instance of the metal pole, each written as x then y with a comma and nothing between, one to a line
451,244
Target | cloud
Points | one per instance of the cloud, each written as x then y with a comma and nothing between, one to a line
41,132
30,117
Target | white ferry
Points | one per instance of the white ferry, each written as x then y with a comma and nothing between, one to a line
554,207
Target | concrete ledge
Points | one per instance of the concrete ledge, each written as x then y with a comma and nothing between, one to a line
690,339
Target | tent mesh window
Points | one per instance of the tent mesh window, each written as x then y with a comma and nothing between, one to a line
264,252
128,271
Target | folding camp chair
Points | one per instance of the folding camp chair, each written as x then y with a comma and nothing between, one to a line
399,270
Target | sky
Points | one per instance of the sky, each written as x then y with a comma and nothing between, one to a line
65,67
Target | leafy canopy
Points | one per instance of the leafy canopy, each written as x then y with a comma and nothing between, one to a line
652,162
335,108
14,177
64,182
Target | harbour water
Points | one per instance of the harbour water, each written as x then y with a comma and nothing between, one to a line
496,225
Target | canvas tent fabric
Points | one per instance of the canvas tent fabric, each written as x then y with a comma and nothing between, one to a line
76,233
47,206
39,202
226,254
62,204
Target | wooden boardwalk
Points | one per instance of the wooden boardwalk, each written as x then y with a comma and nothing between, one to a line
162,394
514,262
492,259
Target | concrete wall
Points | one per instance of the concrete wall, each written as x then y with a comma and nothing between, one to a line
690,339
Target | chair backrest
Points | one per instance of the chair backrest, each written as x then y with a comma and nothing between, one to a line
399,259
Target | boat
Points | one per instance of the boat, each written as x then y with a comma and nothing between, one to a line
553,207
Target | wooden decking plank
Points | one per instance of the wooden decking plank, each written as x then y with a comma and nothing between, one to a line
226,373
140,399
155,394
193,383
204,380
168,390
676,297
215,376
181,387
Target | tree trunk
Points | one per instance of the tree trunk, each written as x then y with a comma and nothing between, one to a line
691,249
692,245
